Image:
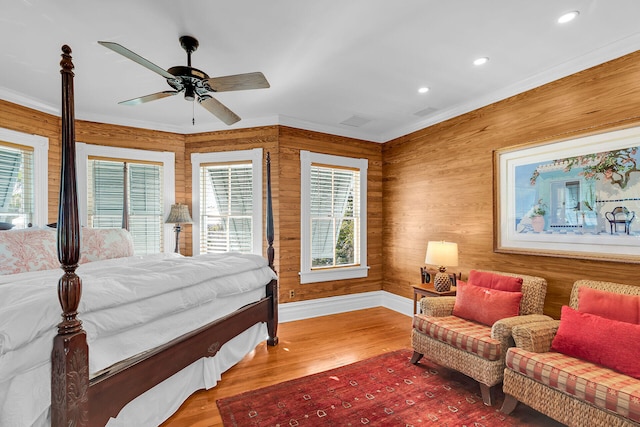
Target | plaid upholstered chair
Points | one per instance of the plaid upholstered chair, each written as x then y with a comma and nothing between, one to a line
583,369
471,332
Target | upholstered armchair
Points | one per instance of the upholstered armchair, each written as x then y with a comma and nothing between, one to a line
581,370
471,332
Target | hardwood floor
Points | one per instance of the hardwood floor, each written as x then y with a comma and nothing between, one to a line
307,347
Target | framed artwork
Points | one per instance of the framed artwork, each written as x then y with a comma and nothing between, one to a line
577,198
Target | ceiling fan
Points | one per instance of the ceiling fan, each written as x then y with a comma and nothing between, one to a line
194,83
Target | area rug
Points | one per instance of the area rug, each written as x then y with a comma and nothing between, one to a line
386,390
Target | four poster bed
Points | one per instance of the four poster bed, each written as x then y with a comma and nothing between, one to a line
159,327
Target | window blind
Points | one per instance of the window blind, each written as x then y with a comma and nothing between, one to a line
17,198
334,215
226,207
145,188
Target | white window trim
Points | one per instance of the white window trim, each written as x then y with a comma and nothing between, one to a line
307,275
40,146
255,156
83,151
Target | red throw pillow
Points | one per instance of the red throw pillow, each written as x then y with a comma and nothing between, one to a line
625,308
495,281
484,305
607,342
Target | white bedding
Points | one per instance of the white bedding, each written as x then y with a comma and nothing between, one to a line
169,290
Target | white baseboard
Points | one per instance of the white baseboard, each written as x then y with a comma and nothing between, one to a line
288,312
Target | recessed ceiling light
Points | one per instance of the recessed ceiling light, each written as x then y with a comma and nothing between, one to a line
481,61
423,90
567,17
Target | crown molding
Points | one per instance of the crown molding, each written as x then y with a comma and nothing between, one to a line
574,65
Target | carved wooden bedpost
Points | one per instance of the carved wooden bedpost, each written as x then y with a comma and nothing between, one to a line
272,289
70,356
125,196
270,232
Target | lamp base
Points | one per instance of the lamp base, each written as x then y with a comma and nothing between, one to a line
442,282
177,228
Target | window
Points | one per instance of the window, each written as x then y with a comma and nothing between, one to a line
16,185
226,207
150,190
227,201
23,179
144,192
333,217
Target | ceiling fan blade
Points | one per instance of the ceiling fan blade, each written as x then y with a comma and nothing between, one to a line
137,58
238,82
147,98
218,109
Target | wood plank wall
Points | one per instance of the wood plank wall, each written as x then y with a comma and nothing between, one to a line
438,182
291,142
284,144
140,139
22,119
242,139
26,120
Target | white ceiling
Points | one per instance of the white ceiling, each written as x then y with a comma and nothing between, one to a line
327,61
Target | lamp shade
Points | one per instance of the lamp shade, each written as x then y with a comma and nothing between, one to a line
443,254
179,215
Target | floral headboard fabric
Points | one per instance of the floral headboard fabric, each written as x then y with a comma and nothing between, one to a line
35,249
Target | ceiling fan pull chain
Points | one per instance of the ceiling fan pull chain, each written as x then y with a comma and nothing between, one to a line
193,113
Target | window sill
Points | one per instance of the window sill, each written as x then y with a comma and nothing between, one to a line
333,274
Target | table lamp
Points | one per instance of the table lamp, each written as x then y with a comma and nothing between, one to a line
442,254
179,214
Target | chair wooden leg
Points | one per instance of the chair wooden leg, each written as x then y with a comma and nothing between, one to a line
416,357
509,404
487,394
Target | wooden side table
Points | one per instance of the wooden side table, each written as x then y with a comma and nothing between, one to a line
427,290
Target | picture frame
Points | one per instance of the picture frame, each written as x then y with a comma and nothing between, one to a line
426,274
576,197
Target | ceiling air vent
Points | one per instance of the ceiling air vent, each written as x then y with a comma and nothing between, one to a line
355,121
425,112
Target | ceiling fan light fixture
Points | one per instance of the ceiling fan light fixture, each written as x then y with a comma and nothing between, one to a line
423,89
189,93
481,61
568,17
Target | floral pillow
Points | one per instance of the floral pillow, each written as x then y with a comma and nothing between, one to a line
28,250
34,249
106,243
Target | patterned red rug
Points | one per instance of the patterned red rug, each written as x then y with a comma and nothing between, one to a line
386,390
